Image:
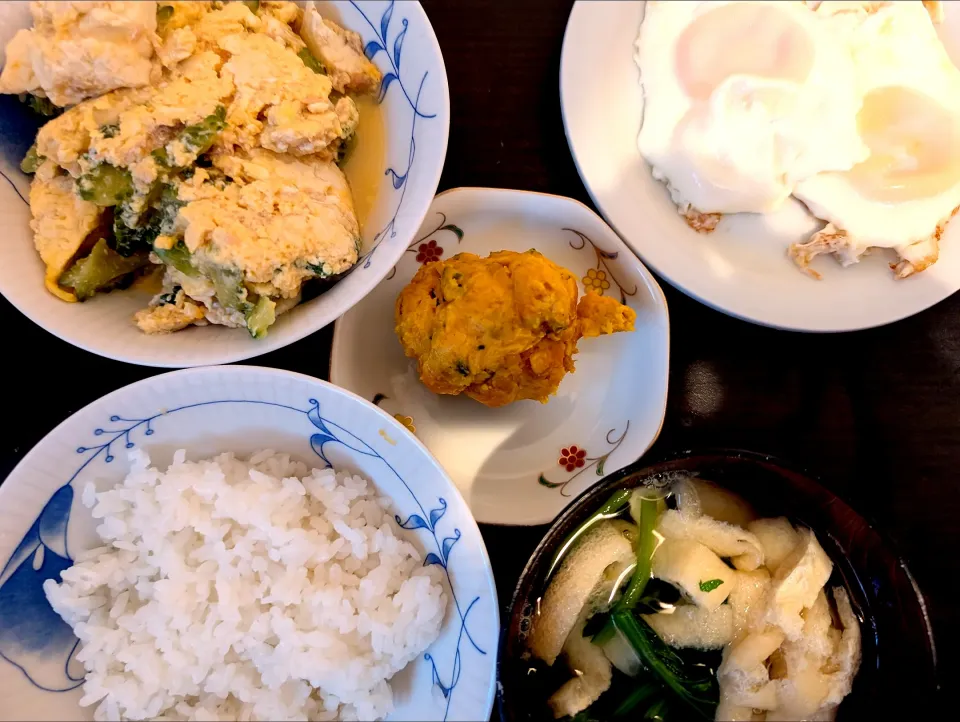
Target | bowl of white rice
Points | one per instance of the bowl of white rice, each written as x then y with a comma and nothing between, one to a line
240,543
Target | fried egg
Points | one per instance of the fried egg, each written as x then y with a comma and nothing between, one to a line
743,100
905,192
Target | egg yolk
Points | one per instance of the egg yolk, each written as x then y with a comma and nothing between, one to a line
741,39
914,146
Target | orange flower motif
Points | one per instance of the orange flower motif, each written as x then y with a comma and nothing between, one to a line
596,281
406,421
572,457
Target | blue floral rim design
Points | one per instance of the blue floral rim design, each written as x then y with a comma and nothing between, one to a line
372,49
31,632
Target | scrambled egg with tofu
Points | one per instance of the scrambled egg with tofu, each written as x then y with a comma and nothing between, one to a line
499,329
197,140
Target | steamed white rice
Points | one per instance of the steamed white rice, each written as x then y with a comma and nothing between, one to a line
246,590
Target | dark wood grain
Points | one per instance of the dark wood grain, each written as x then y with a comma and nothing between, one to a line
876,414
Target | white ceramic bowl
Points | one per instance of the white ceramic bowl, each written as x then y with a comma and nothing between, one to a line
522,463
416,111
240,409
742,268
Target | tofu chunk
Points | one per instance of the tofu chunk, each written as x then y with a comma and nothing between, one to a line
286,220
78,50
692,626
341,51
797,583
777,538
280,104
696,570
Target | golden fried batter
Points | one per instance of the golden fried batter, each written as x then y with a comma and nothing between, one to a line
499,329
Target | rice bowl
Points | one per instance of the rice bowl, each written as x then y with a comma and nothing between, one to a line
45,528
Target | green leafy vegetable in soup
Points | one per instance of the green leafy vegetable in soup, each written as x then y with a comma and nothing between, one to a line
697,687
662,581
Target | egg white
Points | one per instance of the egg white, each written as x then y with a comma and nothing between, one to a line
745,147
903,195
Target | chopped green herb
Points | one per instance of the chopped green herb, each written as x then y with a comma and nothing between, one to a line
168,298
105,185
710,585
252,5
32,160
462,368
318,269
109,130
311,62
42,106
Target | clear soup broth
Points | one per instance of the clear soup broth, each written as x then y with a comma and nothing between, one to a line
676,600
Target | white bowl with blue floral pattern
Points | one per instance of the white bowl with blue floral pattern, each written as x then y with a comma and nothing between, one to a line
415,103
241,409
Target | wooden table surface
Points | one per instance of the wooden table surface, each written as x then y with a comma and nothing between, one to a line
875,414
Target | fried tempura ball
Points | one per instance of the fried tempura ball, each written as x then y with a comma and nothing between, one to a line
499,329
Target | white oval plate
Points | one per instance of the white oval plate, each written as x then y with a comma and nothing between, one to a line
507,461
742,268
240,409
415,103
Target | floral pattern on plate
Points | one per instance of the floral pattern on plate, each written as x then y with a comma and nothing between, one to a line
505,460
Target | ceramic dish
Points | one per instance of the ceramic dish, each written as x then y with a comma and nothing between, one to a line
416,116
897,640
742,268
240,409
520,464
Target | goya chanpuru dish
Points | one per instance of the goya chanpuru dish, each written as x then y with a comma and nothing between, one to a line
677,602
197,140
